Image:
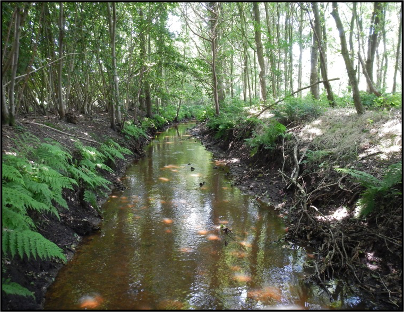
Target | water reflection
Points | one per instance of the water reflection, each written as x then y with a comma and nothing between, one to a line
161,246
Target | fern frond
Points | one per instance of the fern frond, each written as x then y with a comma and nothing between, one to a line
90,197
10,173
12,288
15,219
15,198
29,243
52,155
363,178
113,150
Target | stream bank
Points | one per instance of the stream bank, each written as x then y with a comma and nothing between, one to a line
365,253
81,219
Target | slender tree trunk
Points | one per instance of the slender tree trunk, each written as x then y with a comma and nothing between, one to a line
347,60
299,74
323,63
213,28
314,70
260,51
62,106
373,40
14,64
270,51
113,102
400,31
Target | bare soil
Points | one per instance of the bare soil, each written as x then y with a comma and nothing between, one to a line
371,258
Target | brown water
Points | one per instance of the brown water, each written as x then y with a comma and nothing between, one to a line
160,246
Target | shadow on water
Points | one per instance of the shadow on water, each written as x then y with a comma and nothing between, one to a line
161,246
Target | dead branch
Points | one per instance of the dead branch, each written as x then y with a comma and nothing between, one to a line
73,135
273,104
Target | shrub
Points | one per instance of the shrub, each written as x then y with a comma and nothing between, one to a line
376,189
132,131
267,138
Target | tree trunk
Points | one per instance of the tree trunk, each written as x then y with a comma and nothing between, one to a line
373,40
14,64
299,74
260,52
323,63
314,70
347,60
113,98
62,106
400,30
270,51
213,35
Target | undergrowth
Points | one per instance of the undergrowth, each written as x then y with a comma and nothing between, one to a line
376,190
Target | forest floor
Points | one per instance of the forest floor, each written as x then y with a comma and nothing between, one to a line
373,248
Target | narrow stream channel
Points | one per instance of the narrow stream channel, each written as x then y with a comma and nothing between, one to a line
161,247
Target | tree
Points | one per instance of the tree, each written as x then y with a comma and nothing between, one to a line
260,54
348,62
373,41
323,61
62,105
400,32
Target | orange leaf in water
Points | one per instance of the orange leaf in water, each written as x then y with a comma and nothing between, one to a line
223,221
245,244
265,294
90,302
186,249
202,232
168,231
213,237
167,221
241,277
164,179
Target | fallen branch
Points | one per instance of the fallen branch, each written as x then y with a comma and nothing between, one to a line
272,105
73,135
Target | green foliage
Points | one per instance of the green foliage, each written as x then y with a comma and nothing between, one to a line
29,185
85,168
204,113
316,156
222,124
160,121
12,288
376,190
132,131
298,110
29,243
113,150
267,137
371,101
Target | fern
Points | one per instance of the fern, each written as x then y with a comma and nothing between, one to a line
29,243
90,197
376,189
12,288
53,156
113,150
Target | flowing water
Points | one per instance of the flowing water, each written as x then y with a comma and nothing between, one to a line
161,245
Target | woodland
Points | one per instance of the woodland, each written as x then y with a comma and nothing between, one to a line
307,93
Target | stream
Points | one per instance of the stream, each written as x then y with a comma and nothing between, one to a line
161,245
